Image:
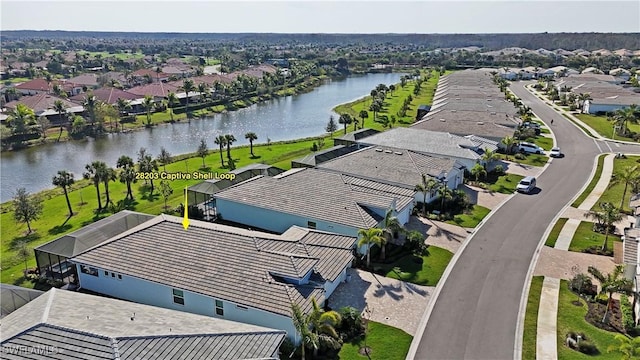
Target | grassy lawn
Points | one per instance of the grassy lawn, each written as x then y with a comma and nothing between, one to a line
121,56
613,194
393,103
428,273
530,159
604,127
544,142
585,237
531,319
472,219
592,184
506,184
553,235
386,343
16,80
571,318
53,222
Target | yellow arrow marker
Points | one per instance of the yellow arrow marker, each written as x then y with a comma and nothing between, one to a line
185,221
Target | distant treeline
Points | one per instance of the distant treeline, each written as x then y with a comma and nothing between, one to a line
567,41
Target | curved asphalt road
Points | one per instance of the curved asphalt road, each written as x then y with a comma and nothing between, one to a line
476,312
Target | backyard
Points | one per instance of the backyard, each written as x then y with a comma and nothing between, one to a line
421,270
585,238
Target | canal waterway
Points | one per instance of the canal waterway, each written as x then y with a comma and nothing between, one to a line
286,118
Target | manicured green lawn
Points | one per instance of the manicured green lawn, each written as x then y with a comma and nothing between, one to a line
386,343
585,237
530,159
571,318
16,80
506,184
592,183
428,273
553,235
531,319
53,222
544,142
613,194
393,103
472,219
604,127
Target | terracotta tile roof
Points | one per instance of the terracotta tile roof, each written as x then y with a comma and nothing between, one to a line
35,84
224,262
107,95
39,102
152,73
156,89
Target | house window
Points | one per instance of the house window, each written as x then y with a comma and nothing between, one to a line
119,277
242,307
113,275
178,296
311,224
106,273
89,270
219,308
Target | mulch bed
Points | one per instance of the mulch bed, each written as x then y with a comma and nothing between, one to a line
596,313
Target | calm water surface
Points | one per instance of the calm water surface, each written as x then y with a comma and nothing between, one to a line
286,118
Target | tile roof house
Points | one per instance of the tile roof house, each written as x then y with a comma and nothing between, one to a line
35,86
64,325
42,104
88,80
314,198
107,95
218,270
138,75
157,90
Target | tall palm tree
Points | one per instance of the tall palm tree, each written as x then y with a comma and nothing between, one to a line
148,164
203,89
64,179
345,119
108,175
323,322
445,193
251,136
229,139
625,116
488,157
627,176
221,141
390,228
303,327
21,118
164,158
61,109
375,107
123,106
147,104
95,172
508,142
91,104
426,186
127,174
172,99
607,217
582,97
612,283
370,237
188,87
363,114
478,170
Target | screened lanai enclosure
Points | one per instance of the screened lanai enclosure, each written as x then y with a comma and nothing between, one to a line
52,257
201,194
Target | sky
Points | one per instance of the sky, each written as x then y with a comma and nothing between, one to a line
425,17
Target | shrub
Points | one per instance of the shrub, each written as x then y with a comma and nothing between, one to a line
627,313
597,250
587,347
288,350
327,344
602,299
520,156
498,170
581,284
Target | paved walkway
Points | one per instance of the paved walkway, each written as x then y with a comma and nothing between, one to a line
559,263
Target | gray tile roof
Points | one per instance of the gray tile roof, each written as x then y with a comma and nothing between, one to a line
493,126
435,143
463,103
322,195
391,165
69,325
222,262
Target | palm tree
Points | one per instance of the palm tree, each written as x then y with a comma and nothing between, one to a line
625,116
108,175
628,347
425,186
221,141
91,104
95,172
345,119
21,118
61,109
370,237
489,156
363,114
445,193
64,179
303,327
187,86
391,227
203,89
123,106
148,165
508,142
172,99
582,97
627,176
607,216
477,171
612,283
323,322
251,136
375,107
128,173
229,139
164,158
147,104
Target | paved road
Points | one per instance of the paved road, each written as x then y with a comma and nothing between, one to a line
476,311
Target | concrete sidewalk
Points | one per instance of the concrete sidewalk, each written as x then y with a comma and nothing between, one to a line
546,337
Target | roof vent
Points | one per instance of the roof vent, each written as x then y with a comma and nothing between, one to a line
480,123
443,120
378,150
458,99
453,110
493,113
388,151
397,152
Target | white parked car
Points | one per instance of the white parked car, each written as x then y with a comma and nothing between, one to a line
555,152
530,148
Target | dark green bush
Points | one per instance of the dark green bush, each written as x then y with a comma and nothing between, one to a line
627,313
582,284
587,347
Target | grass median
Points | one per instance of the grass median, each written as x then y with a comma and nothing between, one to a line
592,183
530,335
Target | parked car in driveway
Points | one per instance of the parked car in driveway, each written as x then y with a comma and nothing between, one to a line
525,147
526,185
555,152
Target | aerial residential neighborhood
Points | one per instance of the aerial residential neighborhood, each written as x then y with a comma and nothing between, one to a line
319,195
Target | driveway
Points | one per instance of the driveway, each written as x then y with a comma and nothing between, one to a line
562,264
389,301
